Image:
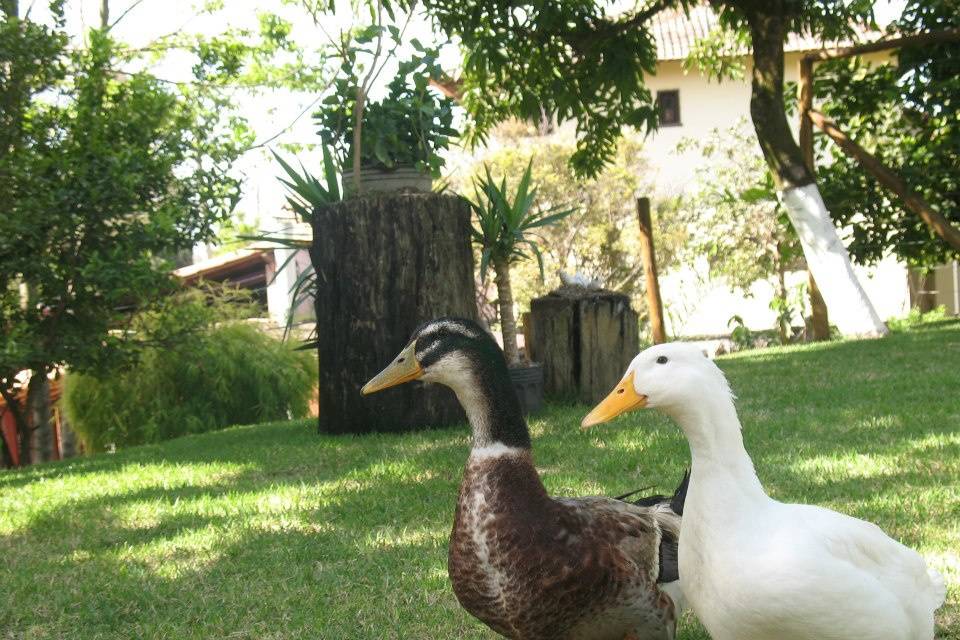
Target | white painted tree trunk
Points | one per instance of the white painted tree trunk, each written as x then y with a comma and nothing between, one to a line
828,260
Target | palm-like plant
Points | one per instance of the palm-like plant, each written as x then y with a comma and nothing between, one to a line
504,230
306,194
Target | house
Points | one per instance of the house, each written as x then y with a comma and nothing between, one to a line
268,270
692,106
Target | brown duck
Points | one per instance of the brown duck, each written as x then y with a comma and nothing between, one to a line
529,566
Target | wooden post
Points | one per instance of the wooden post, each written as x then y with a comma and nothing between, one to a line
819,319
911,200
806,104
657,331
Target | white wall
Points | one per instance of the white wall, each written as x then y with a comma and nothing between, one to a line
279,296
698,306
705,105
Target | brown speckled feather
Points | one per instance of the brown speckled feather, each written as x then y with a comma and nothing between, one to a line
532,567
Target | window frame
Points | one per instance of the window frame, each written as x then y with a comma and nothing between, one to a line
676,94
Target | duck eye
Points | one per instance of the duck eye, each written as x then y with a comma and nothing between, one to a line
662,360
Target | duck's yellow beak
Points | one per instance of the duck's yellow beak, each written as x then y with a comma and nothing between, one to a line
404,368
623,398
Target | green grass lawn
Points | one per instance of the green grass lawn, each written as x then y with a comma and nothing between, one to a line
270,531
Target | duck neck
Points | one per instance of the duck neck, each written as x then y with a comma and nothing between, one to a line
720,460
492,407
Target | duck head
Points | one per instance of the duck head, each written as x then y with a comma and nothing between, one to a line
670,377
461,355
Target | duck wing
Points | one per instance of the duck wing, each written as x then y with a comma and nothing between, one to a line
901,570
647,529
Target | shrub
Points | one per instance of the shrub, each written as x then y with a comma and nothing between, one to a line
204,379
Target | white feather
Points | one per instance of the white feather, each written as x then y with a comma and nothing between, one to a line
757,569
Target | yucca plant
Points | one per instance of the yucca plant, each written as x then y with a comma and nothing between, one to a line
306,194
504,226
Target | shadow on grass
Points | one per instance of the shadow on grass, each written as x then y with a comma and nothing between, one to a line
345,536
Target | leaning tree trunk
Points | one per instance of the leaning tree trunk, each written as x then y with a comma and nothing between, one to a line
385,264
827,258
508,321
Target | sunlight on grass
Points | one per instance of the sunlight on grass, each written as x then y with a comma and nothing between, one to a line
270,531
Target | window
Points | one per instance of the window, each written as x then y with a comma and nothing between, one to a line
669,104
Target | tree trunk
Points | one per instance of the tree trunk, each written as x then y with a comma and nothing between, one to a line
585,339
783,318
361,99
23,426
41,417
68,438
7,455
658,331
508,321
819,319
385,264
826,256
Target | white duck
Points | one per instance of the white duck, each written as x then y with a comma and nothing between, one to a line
757,569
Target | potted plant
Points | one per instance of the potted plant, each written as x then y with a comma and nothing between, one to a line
394,143
504,231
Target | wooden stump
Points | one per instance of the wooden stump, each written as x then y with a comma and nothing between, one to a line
384,265
585,340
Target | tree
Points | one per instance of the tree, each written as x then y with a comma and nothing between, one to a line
737,222
906,115
578,62
100,184
601,238
505,230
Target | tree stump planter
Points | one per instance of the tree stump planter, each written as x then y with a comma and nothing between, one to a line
385,264
585,339
377,182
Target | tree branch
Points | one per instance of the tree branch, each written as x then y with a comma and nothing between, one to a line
638,19
911,200
124,14
934,37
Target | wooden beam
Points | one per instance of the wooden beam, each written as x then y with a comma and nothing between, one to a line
911,200
934,37
648,256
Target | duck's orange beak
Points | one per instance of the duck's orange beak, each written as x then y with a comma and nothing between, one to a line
404,368
623,398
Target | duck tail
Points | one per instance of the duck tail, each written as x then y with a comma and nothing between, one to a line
675,502
680,494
